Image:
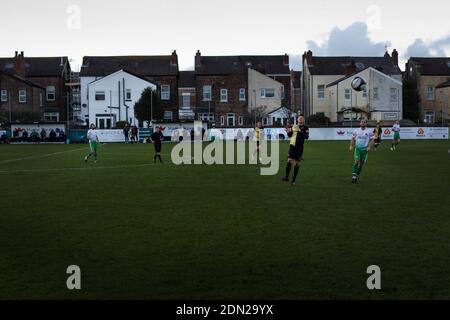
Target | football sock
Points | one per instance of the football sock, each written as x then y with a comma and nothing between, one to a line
296,169
355,169
288,169
359,169
159,156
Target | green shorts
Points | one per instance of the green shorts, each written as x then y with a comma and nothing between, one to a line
93,145
361,154
397,136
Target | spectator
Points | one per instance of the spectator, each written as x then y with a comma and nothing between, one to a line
34,136
16,134
62,136
131,135
24,135
52,136
125,133
4,139
135,134
43,135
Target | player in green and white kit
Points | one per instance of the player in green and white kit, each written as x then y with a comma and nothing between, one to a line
396,140
93,143
362,142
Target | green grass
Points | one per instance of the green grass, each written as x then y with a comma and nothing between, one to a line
208,232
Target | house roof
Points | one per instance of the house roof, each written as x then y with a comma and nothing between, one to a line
126,71
26,81
284,109
357,72
433,66
225,65
37,66
445,84
186,79
145,66
337,65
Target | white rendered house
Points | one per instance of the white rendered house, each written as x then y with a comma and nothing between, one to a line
112,98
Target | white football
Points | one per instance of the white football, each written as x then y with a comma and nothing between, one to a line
358,84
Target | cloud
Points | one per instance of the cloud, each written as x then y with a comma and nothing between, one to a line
422,49
352,41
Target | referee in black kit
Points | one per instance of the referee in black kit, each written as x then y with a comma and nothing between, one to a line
156,139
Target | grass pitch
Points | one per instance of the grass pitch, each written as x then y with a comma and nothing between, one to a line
143,230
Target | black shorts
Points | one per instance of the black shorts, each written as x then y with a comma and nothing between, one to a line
378,140
158,147
295,153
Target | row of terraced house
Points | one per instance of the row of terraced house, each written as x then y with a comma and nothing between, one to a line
227,91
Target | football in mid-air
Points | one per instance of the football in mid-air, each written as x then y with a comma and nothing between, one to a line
358,84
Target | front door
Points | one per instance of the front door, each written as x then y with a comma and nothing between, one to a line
230,119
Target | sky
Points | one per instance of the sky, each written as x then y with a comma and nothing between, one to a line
76,28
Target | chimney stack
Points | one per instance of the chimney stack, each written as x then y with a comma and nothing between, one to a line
19,64
350,68
395,57
308,56
286,59
174,58
198,59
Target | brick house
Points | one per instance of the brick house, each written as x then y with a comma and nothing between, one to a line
20,95
431,76
50,73
161,70
226,92
186,95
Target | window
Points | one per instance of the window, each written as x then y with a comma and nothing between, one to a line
22,96
206,117
375,94
222,120
167,115
429,117
321,91
99,95
364,92
223,95
282,92
430,93
165,92
242,94
394,96
51,93
51,116
186,101
267,93
207,93
240,120
4,96
348,95
128,94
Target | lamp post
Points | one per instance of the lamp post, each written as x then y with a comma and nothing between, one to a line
151,106
254,103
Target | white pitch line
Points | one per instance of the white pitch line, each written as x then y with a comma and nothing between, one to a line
80,168
42,155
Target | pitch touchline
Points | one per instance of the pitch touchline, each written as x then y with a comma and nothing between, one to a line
42,156
79,168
